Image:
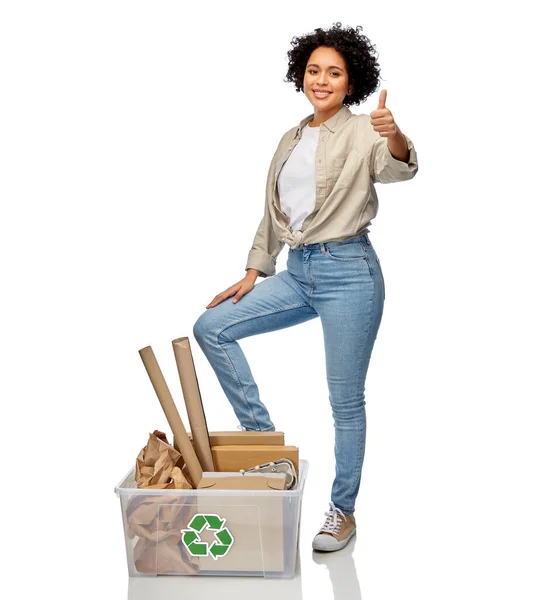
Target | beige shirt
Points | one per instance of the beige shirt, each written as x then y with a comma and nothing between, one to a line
350,158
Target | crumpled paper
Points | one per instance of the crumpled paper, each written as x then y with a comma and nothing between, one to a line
156,521
156,465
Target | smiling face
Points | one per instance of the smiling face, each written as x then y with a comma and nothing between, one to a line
326,70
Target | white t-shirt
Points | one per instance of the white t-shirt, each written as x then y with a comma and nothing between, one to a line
296,181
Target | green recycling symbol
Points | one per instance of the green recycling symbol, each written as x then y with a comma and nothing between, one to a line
193,543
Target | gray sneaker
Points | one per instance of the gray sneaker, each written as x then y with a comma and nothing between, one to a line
337,531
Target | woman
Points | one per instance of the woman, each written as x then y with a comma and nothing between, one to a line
320,199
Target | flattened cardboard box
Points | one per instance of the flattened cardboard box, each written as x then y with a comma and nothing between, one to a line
235,481
234,458
241,438
254,523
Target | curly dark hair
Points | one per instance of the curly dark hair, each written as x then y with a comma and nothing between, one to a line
357,50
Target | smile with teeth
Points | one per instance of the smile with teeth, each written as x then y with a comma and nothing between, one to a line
320,94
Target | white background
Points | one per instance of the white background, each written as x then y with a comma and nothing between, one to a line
135,142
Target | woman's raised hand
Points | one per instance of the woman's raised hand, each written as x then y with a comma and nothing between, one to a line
237,290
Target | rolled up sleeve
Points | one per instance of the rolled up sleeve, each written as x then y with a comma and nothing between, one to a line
385,168
265,247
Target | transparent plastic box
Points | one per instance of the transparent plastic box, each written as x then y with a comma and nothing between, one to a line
211,532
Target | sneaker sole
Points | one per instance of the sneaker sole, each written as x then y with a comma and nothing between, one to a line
339,546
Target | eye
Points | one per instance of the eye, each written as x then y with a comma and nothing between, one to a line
312,71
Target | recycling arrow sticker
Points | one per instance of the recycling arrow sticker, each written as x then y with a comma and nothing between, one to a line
196,547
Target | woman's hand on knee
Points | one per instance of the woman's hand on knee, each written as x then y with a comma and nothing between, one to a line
237,290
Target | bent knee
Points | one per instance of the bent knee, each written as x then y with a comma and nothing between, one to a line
201,326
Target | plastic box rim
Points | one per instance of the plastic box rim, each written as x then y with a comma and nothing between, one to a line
303,471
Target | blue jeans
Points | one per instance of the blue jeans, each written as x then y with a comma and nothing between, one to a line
342,283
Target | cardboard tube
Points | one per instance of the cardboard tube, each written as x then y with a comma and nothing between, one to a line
181,439
193,402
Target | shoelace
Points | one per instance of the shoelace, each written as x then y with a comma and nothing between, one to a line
332,524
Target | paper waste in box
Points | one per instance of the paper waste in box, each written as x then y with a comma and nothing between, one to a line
193,402
234,458
255,523
264,527
156,465
235,481
241,438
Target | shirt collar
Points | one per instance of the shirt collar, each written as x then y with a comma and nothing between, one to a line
331,123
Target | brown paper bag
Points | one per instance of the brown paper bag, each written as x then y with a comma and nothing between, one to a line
156,465
165,557
156,522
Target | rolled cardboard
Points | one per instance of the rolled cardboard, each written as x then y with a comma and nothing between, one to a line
182,443
193,402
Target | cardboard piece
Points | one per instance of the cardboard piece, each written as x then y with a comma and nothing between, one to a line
254,521
242,438
235,481
182,442
234,458
193,402
156,465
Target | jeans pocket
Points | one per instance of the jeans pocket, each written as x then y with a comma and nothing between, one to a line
346,252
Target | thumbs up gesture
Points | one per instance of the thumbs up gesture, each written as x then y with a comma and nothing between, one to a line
382,120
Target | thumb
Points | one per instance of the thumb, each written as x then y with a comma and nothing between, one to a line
383,97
